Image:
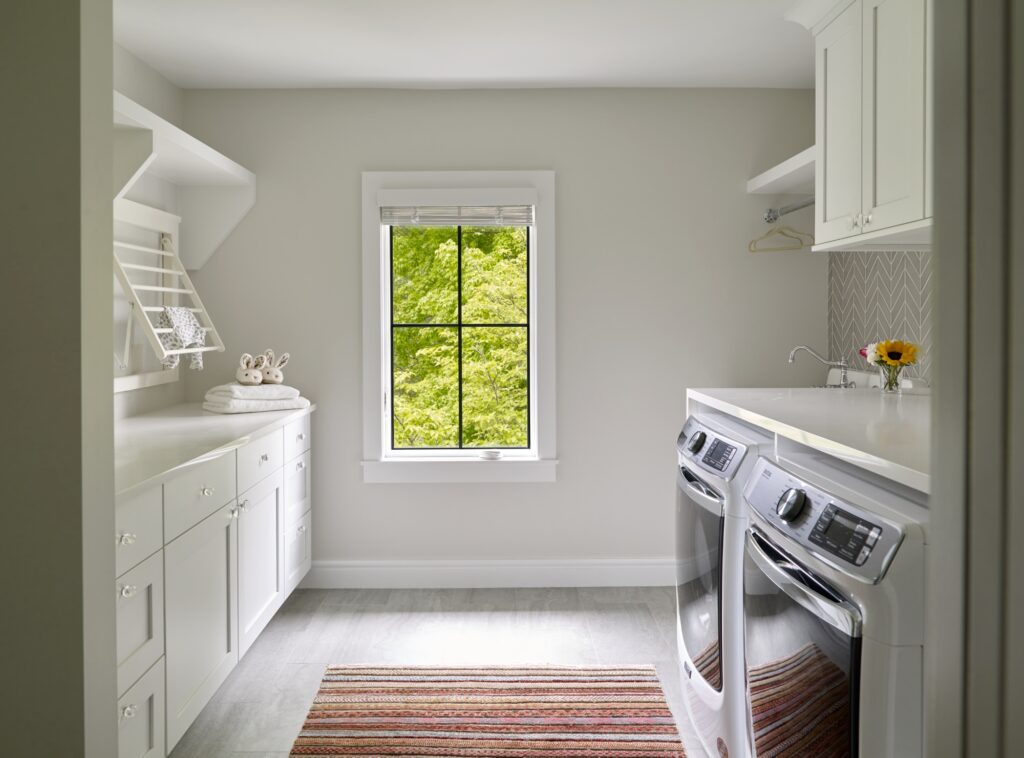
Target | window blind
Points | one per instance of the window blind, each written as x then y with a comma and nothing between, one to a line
457,215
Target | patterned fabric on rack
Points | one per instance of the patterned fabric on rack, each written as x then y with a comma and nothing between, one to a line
186,332
550,711
800,706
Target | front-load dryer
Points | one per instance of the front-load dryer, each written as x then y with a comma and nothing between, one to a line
715,456
834,646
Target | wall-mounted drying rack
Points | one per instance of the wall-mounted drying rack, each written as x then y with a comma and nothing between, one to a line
153,278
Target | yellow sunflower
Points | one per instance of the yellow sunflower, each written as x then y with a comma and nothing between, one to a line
897,352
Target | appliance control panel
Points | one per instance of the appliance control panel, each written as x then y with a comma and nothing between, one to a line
700,445
846,537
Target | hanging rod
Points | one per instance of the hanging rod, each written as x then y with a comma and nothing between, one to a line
774,214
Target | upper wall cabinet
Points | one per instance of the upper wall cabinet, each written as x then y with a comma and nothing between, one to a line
872,134
214,192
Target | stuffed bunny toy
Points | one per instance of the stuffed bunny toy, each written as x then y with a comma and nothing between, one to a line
250,370
272,370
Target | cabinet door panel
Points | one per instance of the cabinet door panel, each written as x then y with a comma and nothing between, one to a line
838,64
201,616
894,112
298,551
260,558
297,483
140,620
140,717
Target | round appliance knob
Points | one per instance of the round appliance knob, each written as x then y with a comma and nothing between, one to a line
697,442
791,504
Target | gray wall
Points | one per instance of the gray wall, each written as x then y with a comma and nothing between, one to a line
880,295
656,291
57,634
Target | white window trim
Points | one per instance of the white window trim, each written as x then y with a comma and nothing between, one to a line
460,188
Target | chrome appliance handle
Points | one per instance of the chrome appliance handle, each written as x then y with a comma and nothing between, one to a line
791,578
699,491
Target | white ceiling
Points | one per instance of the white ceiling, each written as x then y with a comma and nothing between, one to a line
467,43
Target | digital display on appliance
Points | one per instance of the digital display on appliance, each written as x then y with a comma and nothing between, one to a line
719,455
844,534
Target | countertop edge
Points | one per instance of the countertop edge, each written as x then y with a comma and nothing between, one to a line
884,467
160,477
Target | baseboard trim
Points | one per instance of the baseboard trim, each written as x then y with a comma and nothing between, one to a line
604,572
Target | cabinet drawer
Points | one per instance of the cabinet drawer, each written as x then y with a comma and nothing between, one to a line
140,717
259,459
196,493
140,619
296,438
139,528
298,552
297,480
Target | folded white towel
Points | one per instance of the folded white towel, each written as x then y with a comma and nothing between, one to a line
247,392
226,405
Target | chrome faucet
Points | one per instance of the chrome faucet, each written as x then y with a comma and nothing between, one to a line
841,364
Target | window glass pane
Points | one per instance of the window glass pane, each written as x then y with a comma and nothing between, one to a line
425,369
425,274
494,387
494,275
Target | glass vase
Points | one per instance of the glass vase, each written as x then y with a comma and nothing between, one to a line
889,379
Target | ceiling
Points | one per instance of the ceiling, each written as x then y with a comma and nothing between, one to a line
467,43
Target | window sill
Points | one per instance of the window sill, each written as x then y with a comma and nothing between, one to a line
434,471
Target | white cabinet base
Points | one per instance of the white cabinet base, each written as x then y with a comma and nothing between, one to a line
298,551
261,572
201,591
140,717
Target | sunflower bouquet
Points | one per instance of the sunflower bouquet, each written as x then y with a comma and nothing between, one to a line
891,357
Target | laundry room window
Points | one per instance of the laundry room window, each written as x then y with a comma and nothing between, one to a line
460,329
465,333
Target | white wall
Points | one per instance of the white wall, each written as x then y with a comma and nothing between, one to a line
656,292
147,86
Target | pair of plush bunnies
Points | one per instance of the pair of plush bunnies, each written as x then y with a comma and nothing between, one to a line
262,369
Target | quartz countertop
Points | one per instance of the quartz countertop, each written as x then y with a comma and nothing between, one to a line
150,446
888,435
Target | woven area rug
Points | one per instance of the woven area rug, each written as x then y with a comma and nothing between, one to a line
800,706
550,711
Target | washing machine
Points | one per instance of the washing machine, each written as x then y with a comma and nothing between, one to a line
715,455
834,629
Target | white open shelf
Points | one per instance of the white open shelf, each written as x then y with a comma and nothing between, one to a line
214,192
794,176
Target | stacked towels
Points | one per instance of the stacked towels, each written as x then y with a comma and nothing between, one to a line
241,398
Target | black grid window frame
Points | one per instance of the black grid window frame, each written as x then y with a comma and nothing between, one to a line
459,326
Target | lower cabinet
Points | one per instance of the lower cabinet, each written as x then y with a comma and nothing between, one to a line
298,552
201,596
140,716
140,620
261,561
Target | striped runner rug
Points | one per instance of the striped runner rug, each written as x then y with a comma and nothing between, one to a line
800,706
549,711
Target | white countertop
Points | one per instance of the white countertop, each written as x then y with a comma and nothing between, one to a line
150,446
889,435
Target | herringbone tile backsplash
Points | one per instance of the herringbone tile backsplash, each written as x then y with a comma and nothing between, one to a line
873,296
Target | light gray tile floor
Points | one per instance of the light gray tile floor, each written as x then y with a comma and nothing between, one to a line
260,708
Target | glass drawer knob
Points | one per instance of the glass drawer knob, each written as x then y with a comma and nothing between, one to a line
128,590
206,491
129,711
126,538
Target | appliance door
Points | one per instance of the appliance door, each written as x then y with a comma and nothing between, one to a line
699,522
803,646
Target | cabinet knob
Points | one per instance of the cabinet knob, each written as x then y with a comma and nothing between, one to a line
300,436
867,218
300,465
243,506
128,590
233,513
126,538
129,711
302,529
206,491
264,458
